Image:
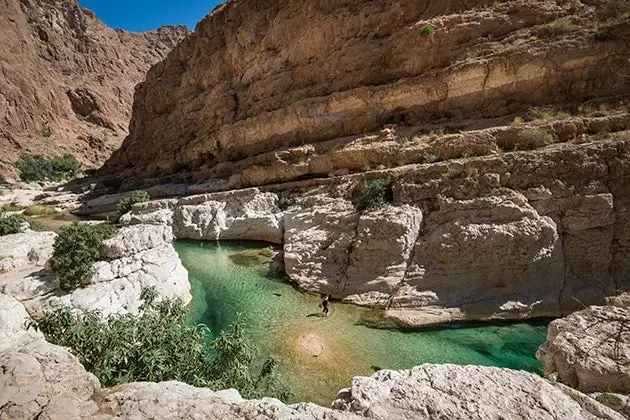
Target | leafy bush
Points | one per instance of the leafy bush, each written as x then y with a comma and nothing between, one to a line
11,224
427,31
284,203
517,121
11,207
562,25
40,210
532,139
38,168
603,36
547,114
160,345
77,247
267,252
375,194
125,203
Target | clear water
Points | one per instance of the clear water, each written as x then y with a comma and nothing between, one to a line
278,317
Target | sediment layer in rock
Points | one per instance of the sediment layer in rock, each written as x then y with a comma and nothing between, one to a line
263,87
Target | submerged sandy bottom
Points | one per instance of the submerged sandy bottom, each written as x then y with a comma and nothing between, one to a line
319,355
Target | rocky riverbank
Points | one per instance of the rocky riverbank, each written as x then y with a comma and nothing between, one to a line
42,380
508,236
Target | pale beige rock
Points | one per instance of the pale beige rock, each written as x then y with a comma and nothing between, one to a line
464,392
21,249
41,380
235,215
492,257
380,252
317,243
143,256
590,349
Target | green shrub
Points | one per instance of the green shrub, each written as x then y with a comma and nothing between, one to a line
284,203
39,168
562,25
3,181
547,113
125,203
11,207
11,224
160,345
517,121
40,210
77,247
603,36
267,252
533,139
427,31
375,194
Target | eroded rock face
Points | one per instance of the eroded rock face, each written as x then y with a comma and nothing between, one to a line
508,257
242,215
27,248
590,350
68,79
139,256
510,236
263,89
464,392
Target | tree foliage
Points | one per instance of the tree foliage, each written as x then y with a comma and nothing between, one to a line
77,247
160,345
125,203
11,224
39,168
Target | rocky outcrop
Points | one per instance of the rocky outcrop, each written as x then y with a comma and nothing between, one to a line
139,256
465,392
590,350
27,248
68,80
243,215
331,248
273,91
508,236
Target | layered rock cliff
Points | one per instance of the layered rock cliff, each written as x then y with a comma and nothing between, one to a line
263,89
68,80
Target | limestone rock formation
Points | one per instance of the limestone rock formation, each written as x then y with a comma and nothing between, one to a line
590,350
273,91
465,392
246,214
68,80
507,236
139,256
27,248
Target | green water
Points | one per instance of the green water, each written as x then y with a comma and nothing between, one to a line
280,318
56,222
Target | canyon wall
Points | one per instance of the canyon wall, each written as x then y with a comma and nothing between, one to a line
68,80
508,236
261,86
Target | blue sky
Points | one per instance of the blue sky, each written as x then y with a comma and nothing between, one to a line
144,15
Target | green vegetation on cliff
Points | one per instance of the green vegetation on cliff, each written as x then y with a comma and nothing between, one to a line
11,224
375,194
40,168
125,204
77,247
161,345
